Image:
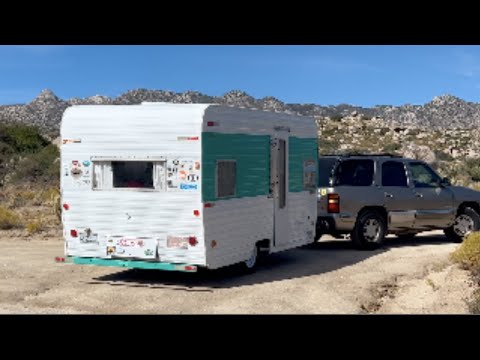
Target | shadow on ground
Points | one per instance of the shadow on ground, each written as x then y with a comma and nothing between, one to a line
322,257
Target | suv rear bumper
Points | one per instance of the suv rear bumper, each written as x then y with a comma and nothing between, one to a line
335,224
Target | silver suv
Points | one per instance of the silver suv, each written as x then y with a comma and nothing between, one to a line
369,196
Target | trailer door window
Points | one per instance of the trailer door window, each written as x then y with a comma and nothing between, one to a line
110,175
226,178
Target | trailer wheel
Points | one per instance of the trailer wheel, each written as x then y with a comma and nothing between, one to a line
251,263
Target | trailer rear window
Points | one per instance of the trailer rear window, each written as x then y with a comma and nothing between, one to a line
132,174
109,175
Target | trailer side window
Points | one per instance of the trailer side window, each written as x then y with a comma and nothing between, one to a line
108,175
226,178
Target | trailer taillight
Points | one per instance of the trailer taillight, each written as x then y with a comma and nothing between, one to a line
208,205
192,240
333,203
196,212
73,233
66,206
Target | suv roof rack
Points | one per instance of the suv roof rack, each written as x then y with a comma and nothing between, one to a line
359,154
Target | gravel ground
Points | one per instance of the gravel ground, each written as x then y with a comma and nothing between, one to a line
413,277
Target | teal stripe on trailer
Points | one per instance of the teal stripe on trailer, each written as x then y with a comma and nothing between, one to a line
252,154
134,264
299,150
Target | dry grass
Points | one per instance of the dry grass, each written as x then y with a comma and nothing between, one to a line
468,253
9,219
36,226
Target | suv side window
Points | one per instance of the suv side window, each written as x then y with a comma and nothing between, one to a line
354,173
423,175
394,174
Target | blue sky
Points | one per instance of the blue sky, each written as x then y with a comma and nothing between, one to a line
326,75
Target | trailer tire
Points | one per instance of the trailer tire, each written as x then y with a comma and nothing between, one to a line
250,265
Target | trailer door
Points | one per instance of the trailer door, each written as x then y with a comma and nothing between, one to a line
279,174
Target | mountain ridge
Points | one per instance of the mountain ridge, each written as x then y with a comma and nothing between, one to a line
442,112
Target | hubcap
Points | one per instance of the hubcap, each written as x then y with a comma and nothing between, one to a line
252,259
371,230
464,224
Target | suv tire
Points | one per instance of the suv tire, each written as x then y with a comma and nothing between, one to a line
466,221
369,231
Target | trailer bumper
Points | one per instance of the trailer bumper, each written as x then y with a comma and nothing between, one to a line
133,264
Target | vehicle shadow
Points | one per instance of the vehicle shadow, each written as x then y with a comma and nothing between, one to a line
322,257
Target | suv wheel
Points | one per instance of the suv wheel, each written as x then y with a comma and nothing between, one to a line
466,221
369,231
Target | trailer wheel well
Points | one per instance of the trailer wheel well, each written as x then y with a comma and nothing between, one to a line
263,245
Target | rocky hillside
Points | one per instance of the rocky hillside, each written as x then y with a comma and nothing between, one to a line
443,112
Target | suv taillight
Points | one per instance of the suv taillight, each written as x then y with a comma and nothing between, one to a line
333,203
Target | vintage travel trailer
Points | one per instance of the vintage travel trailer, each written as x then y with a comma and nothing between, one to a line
181,186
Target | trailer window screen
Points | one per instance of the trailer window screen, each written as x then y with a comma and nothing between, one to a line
226,178
110,175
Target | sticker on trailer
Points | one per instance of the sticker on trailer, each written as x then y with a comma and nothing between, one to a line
182,174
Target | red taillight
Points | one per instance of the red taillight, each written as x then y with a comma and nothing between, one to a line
190,268
333,203
73,233
66,206
192,240
208,205
211,123
196,212
59,259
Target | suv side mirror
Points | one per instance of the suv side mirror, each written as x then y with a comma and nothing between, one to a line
445,182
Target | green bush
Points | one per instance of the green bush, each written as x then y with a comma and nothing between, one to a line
21,138
472,167
41,166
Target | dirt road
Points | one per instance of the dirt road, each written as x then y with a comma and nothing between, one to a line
403,277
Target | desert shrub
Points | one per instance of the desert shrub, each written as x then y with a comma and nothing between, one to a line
36,226
42,166
9,219
468,253
391,148
21,138
443,156
472,167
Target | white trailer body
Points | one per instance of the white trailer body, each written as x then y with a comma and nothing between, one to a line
176,186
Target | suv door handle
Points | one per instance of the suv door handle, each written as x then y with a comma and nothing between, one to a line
419,195
388,195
